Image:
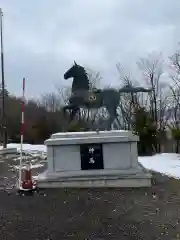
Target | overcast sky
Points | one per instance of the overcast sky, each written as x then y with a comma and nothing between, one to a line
43,37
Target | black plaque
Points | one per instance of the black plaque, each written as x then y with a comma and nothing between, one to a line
91,156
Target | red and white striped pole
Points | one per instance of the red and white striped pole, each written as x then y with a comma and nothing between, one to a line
22,132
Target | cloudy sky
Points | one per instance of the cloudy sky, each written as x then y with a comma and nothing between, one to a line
43,37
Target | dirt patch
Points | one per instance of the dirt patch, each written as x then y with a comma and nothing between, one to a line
145,213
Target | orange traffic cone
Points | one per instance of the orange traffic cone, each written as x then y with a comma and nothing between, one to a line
27,183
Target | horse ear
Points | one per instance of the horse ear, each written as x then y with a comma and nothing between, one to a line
75,63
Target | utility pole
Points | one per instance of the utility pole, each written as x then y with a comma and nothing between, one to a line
4,129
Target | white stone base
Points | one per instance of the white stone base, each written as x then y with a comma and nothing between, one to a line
118,152
95,179
4,151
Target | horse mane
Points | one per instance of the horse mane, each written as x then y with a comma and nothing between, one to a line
84,73
84,70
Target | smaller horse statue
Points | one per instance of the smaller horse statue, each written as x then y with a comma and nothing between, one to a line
84,97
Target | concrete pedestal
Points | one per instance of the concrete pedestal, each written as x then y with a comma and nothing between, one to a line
93,159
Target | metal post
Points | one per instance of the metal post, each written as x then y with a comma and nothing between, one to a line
22,133
4,129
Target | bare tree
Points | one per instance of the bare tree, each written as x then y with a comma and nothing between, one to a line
128,101
94,78
175,87
152,72
51,102
64,94
174,121
175,64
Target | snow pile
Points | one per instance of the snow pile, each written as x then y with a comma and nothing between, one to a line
32,166
28,147
165,163
33,154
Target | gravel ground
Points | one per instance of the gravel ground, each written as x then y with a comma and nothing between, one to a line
152,213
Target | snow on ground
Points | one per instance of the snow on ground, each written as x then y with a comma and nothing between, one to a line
32,166
28,147
33,154
165,163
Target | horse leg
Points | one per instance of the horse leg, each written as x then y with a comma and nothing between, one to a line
73,113
110,122
112,116
119,123
65,108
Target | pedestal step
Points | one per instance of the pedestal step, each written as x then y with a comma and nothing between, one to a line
140,179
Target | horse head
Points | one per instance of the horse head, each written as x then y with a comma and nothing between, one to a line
79,74
72,72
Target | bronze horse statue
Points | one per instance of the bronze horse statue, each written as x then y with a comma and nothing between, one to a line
83,97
